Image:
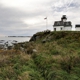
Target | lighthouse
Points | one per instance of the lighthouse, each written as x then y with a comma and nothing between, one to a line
62,25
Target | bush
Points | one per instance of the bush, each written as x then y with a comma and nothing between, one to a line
57,75
54,52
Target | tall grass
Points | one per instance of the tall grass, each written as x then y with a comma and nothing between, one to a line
56,59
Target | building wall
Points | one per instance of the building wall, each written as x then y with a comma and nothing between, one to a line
69,28
58,28
77,28
62,28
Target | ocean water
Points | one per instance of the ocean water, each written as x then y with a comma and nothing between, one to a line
18,39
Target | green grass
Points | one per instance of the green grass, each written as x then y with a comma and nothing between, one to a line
56,59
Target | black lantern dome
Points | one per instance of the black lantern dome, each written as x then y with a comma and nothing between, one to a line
64,18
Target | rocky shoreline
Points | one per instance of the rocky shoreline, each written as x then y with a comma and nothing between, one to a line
7,44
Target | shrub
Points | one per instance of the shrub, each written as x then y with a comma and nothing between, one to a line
57,75
54,52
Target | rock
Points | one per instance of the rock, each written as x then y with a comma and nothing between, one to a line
34,50
44,40
47,31
39,35
1,46
22,49
10,47
33,38
29,51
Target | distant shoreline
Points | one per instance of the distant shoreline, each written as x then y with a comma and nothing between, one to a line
19,36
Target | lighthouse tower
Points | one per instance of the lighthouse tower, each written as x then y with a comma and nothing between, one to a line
64,19
62,25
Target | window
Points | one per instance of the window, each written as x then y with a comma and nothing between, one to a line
58,23
54,29
67,23
61,29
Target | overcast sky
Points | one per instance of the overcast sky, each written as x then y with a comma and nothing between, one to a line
26,17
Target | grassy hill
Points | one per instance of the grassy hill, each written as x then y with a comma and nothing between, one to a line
48,56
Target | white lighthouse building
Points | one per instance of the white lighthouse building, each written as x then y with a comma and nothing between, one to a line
62,25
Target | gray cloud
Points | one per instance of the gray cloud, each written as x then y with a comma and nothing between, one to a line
64,6
11,19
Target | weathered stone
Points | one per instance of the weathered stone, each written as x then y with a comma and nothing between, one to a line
43,41
34,50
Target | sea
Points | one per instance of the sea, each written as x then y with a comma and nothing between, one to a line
18,39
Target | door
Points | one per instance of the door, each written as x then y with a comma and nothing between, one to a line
54,29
